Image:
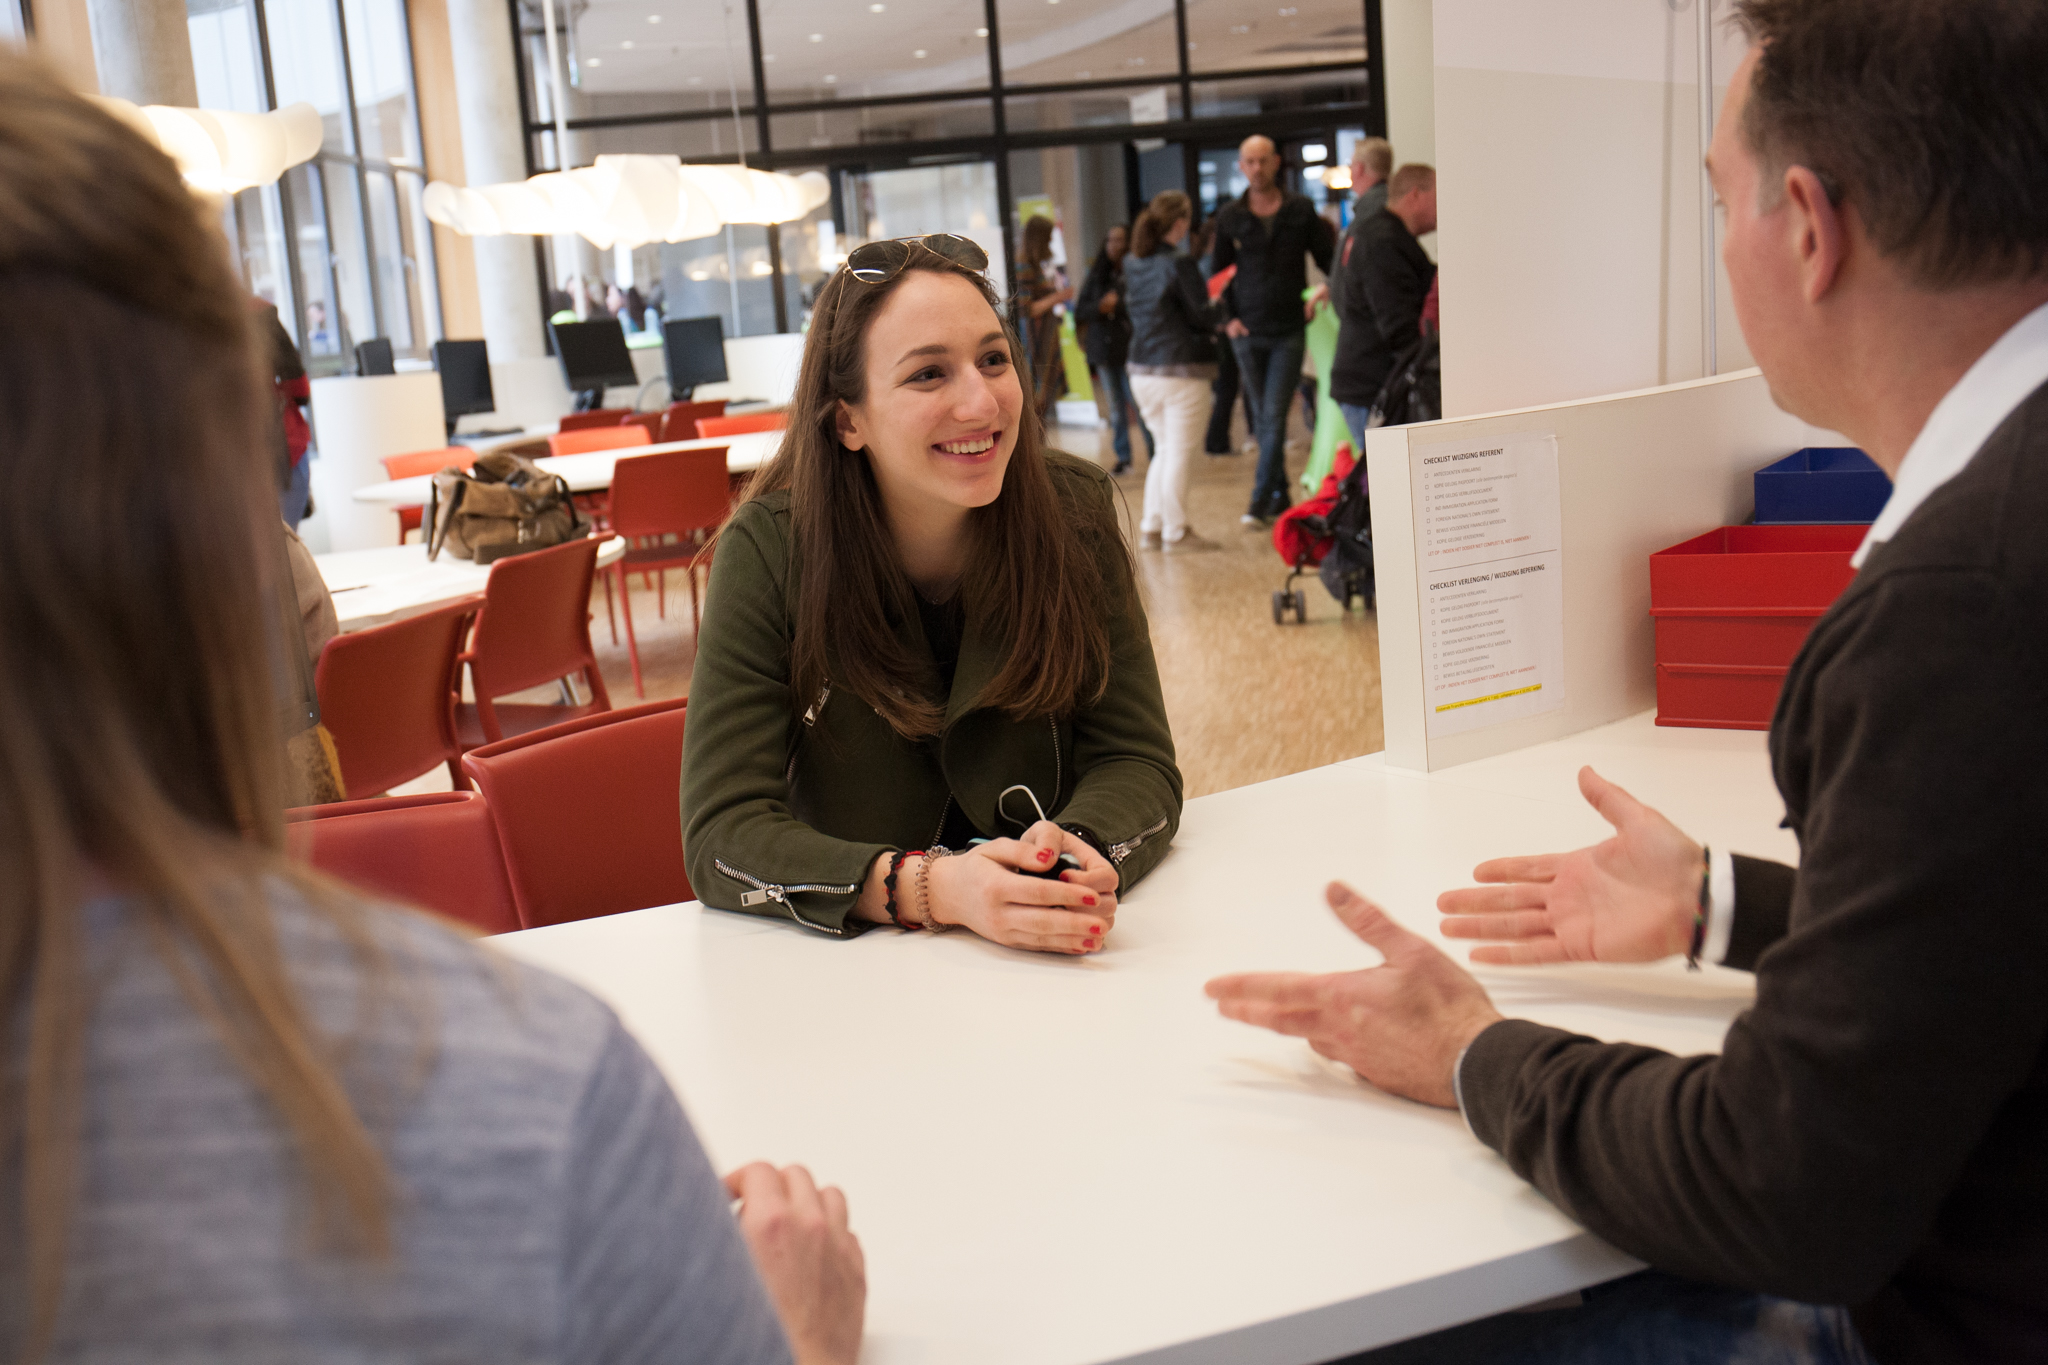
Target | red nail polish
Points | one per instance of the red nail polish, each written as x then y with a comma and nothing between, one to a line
1089,945
1087,900
1095,929
1045,855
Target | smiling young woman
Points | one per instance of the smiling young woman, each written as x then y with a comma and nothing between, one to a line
917,610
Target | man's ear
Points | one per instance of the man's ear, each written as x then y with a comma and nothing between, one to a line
1819,235
848,426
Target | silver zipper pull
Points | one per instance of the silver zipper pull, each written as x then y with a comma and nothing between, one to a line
824,695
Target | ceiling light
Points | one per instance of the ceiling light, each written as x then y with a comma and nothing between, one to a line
1134,61
627,44
1240,28
981,33
1314,151
1289,11
817,37
919,53
222,152
768,56
876,9
696,80
654,18
593,61
831,80
1078,75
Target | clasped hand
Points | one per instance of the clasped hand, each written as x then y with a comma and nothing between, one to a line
1403,1025
982,889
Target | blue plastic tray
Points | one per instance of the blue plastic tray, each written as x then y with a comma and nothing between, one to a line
1821,486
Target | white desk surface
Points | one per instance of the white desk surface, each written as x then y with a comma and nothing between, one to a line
1054,1161
375,587
746,451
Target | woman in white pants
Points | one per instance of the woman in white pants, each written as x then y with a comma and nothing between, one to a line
1172,364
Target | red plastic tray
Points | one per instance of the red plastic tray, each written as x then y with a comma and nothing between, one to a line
1732,608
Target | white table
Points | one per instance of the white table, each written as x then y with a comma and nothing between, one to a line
374,587
745,452
1054,1161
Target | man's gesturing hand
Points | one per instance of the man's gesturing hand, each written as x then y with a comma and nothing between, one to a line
808,1257
1629,899
1400,1025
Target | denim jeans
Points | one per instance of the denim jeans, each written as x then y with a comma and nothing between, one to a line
291,499
1271,371
1116,386
1649,1318
1355,417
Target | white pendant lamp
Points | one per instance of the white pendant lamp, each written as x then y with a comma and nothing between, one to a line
628,200
223,151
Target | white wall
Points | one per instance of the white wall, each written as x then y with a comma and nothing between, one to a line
1568,152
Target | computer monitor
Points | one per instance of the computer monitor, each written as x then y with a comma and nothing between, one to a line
594,358
374,357
695,348
465,369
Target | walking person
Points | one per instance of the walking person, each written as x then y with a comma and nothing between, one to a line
1269,234
1223,393
1039,292
1383,281
1105,325
1172,364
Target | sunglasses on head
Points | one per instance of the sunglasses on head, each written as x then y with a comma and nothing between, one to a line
880,261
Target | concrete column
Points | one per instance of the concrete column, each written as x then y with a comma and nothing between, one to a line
143,50
493,152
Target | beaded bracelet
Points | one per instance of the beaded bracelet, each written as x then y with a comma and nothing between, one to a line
1699,914
928,921
889,885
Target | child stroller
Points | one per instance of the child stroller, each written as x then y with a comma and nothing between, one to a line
1330,533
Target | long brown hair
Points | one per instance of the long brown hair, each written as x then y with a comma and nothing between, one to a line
139,738
1043,567
1036,248
1167,208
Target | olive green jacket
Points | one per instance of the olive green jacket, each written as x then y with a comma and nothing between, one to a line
788,802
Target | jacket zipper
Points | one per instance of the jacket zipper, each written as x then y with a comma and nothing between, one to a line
940,828
774,891
1055,758
1119,851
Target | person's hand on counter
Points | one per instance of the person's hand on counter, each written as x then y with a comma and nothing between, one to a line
807,1257
1631,898
1401,1025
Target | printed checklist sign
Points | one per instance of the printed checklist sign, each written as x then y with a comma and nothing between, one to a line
1490,574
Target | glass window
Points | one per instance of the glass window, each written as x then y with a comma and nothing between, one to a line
1228,35
225,58
416,236
869,126
254,222
320,331
390,269
1092,108
1086,40
305,63
862,49
706,139
349,252
380,74
1267,94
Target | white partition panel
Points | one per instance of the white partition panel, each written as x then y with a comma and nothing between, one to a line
1636,472
357,421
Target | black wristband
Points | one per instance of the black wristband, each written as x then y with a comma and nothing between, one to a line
1090,838
1699,915
889,885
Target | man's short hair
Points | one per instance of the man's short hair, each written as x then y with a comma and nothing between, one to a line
1928,117
1376,154
1413,176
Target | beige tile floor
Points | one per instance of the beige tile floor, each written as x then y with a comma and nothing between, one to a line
1248,700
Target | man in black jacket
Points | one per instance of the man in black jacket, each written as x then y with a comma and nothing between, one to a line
1868,1155
1269,234
1382,278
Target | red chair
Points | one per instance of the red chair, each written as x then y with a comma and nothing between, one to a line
587,813
438,851
596,417
534,629
745,422
387,695
679,420
597,438
422,462
678,493
649,422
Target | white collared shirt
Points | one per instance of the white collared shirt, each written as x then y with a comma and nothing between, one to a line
1987,394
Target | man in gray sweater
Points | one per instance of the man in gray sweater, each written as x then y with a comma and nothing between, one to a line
1860,1174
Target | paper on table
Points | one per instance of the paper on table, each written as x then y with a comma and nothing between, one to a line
1490,571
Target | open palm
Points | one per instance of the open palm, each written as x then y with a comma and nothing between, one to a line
1631,898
